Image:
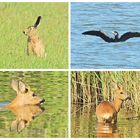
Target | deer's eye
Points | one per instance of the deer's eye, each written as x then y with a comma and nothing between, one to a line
34,95
26,90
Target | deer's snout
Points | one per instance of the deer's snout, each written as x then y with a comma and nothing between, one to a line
128,98
42,101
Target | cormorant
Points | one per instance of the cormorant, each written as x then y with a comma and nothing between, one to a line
108,39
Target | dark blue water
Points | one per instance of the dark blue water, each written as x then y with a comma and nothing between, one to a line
93,52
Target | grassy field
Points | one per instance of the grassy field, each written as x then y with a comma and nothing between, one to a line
53,30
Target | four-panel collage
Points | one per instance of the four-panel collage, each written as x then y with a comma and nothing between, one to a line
69,69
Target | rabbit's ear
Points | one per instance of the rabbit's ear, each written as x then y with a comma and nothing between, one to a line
37,21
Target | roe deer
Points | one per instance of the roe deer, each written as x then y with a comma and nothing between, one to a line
25,106
24,95
106,111
34,43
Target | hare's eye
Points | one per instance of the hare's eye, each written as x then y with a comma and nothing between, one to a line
121,92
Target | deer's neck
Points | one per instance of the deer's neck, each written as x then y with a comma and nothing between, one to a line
8,106
117,104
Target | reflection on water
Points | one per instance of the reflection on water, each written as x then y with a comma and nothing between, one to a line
24,115
84,125
107,130
53,87
83,121
93,52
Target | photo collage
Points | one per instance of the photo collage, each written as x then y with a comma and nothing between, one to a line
69,69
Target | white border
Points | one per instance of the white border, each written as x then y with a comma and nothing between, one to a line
69,70
114,1
105,70
69,104
69,1
34,1
35,70
71,138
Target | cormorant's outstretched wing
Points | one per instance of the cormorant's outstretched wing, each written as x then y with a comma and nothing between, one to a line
128,35
100,34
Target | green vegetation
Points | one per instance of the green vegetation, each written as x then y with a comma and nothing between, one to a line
53,30
53,87
90,88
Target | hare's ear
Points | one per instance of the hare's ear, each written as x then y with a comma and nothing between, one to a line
37,21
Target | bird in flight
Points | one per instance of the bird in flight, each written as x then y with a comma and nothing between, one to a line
116,38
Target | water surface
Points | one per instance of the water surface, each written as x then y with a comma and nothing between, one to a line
92,52
84,125
53,87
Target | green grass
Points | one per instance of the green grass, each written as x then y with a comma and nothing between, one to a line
53,30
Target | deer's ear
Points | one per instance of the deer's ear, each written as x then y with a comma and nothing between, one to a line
114,85
21,125
18,86
14,126
119,85
21,87
14,85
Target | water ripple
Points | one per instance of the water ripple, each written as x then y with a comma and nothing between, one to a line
93,52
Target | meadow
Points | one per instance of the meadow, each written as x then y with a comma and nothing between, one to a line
53,31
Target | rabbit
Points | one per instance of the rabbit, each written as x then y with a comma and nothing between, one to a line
34,43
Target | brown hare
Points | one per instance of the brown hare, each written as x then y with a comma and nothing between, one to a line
34,43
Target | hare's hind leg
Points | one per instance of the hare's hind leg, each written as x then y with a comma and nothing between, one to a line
29,50
42,52
39,51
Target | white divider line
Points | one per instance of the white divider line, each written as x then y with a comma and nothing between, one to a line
69,72
34,0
